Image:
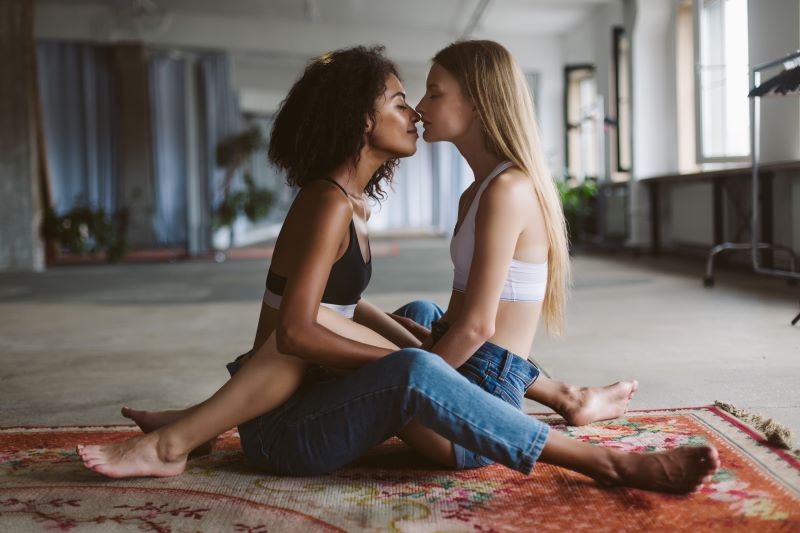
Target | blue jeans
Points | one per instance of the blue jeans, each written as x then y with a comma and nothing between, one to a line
331,421
496,370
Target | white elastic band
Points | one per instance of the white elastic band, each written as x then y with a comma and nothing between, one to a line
274,301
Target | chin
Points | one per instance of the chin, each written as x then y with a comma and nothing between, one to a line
409,151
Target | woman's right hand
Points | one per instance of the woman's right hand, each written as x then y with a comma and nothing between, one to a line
420,332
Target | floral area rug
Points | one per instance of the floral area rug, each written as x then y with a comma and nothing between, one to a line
44,487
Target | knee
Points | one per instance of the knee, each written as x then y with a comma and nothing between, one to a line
421,311
423,306
414,364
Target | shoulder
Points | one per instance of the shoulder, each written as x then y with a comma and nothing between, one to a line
325,199
509,189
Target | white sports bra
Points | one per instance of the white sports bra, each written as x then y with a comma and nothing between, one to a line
525,282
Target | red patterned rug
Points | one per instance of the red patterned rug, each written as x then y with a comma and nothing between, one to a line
43,486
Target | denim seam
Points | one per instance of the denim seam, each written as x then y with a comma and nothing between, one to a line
505,366
524,378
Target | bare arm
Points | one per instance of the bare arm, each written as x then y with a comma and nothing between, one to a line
372,317
497,226
326,216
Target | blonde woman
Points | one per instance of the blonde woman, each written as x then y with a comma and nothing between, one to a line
509,246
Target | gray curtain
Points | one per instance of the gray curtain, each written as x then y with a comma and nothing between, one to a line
77,95
170,157
215,114
219,117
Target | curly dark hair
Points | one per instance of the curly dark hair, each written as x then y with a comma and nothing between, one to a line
321,123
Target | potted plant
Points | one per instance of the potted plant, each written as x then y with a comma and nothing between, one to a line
253,202
83,230
578,199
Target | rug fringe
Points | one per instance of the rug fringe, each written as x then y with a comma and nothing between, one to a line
775,432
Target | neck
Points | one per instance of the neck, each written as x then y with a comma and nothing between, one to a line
355,177
479,159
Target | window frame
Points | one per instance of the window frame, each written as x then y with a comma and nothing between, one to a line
568,69
617,32
700,158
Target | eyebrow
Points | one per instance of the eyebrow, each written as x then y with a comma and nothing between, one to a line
432,85
399,93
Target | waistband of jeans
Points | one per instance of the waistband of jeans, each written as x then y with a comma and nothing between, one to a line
488,350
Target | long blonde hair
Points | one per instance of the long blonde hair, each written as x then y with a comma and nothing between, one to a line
494,82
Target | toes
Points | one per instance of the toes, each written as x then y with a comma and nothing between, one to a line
92,456
91,463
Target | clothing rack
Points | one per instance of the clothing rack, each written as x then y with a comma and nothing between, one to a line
777,84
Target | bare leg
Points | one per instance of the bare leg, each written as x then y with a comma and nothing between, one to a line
269,380
680,470
163,452
583,405
149,421
429,444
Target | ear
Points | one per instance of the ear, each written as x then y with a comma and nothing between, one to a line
370,125
474,108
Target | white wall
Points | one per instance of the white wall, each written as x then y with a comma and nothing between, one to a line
774,27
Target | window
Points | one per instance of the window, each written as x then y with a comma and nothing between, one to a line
721,81
684,87
533,86
581,115
622,100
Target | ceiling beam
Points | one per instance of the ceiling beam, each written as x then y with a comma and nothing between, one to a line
311,9
474,19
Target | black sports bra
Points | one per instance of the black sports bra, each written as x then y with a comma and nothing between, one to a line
349,276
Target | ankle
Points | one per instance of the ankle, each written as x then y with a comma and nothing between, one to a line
568,399
170,447
616,468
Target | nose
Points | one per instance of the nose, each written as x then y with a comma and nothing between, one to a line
415,116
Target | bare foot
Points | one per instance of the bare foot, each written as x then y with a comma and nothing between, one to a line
144,455
585,405
679,471
149,421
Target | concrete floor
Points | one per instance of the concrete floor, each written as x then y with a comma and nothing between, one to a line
76,343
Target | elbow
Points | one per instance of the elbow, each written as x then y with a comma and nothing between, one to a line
480,331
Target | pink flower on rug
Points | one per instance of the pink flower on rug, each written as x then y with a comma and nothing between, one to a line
658,441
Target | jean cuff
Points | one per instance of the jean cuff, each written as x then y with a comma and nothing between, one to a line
461,456
535,448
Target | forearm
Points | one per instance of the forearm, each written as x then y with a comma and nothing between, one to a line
319,345
458,344
382,323
421,333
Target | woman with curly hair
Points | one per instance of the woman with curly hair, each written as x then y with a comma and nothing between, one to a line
338,135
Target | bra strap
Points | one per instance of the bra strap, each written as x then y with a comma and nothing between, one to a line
340,187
